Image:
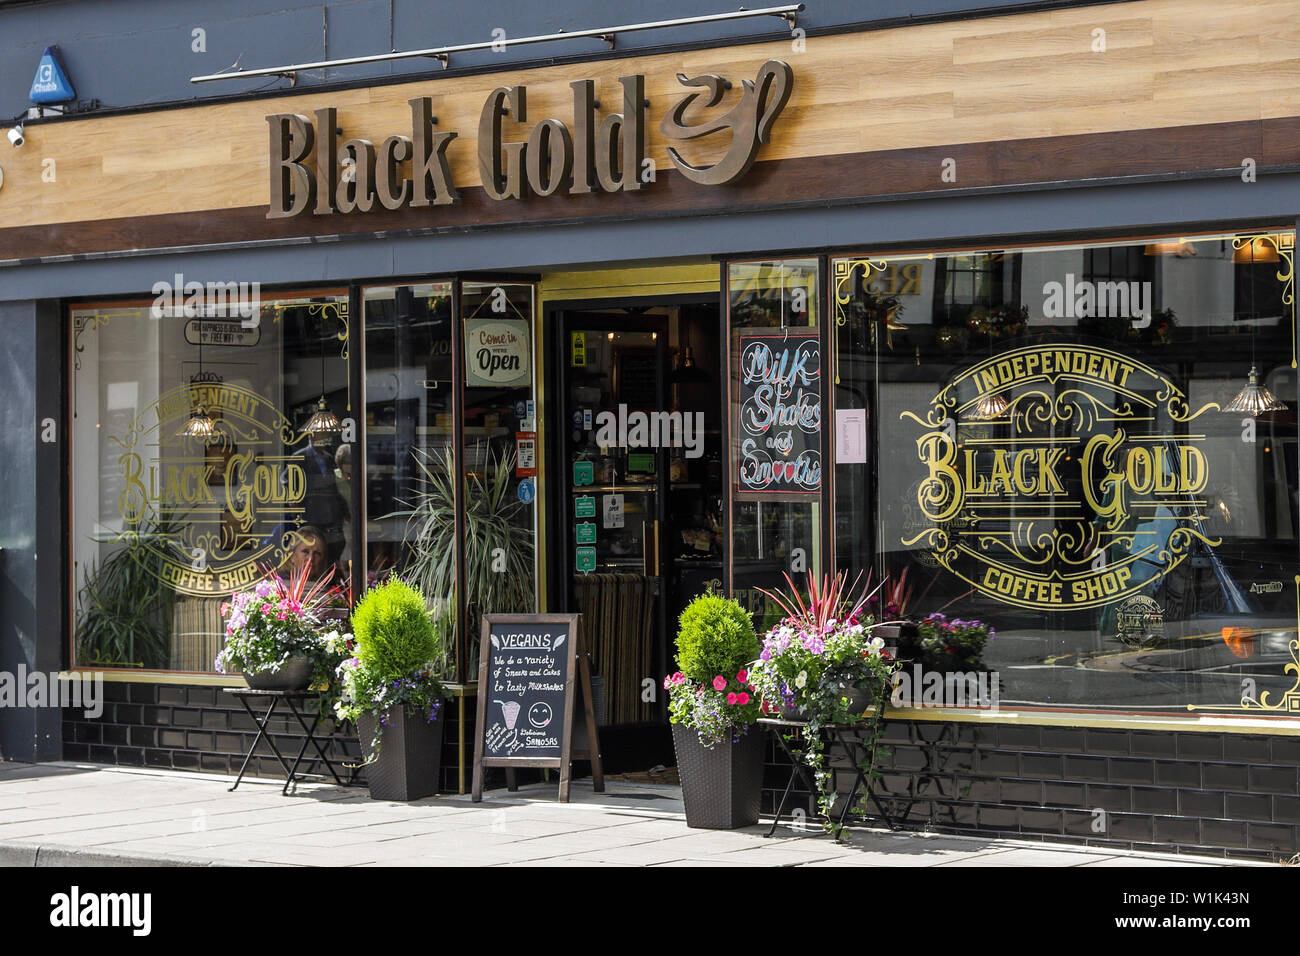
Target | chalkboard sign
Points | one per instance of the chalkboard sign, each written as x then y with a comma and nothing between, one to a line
778,433
527,696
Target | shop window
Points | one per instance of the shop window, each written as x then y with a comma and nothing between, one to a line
1077,478
775,390
206,448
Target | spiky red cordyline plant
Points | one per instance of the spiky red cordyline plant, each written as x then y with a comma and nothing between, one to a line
827,600
312,599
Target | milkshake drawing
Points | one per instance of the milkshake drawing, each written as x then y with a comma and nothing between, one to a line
510,711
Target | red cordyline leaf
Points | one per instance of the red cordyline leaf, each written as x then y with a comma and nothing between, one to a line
827,599
296,588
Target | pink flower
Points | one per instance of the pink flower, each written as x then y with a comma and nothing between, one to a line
742,699
742,675
731,699
679,678
668,681
719,683
225,609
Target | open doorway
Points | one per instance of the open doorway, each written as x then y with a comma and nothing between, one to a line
636,525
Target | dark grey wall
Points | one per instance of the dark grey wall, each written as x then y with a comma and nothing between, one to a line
132,52
31,476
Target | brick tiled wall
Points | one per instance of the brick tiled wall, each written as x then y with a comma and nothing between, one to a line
200,728
1232,795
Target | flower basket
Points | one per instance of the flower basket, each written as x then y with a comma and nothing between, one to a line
722,784
408,765
294,674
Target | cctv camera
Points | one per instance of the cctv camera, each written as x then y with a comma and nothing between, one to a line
16,136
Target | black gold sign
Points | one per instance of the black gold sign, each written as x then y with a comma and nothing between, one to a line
212,517
1060,478
312,170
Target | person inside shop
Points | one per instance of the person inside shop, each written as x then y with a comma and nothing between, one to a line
307,549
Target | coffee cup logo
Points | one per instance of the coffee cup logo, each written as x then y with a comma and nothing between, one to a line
1060,477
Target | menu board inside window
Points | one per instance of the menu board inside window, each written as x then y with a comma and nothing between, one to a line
778,427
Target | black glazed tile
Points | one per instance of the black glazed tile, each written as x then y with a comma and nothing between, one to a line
100,754
158,716
1249,806
1230,776
115,734
127,713
1200,746
157,758
1245,748
89,732
955,760
998,762
998,818
139,693
169,694
907,758
1111,742
214,719
1042,766
1018,737
1131,826
1147,743
230,743
130,756
202,696
1110,798
1285,750
935,786
1178,773
1281,780
1200,803
1132,771
1087,769
75,751
965,815
198,740
1231,833
1084,823
185,718
1286,809
1041,820
1155,800
219,763
1177,831
1066,740
171,738
976,788
1064,794
142,736
1271,836
1021,791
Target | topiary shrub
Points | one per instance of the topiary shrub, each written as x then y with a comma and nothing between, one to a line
393,630
715,636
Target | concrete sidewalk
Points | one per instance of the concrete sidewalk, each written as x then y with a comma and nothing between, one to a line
76,814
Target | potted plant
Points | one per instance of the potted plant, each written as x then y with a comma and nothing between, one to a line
392,690
272,633
952,644
713,708
821,664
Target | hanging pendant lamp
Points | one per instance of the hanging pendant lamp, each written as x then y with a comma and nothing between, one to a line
1254,399
322,420
199,425
991,407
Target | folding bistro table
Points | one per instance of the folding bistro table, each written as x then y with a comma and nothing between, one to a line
291,699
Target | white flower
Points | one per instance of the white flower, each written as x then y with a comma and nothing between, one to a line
801,680
877,643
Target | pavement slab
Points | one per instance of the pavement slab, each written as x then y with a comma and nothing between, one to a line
65,814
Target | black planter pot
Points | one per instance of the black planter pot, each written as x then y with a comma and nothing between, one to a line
410,755
294,675
721,785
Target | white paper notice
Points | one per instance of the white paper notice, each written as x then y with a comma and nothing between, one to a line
850,436
612,506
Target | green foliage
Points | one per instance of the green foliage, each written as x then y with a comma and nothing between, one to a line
393,630
715,637
124,608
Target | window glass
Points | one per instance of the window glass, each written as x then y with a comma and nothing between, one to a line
204,450
1094,450
776,393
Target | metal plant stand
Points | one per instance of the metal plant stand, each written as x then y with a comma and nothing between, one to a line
842,737
291,699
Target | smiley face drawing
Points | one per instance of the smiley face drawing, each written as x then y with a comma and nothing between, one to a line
539,715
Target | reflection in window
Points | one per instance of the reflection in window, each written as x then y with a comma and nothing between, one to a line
1075,482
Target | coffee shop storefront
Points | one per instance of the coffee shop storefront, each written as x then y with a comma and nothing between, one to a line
598,364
